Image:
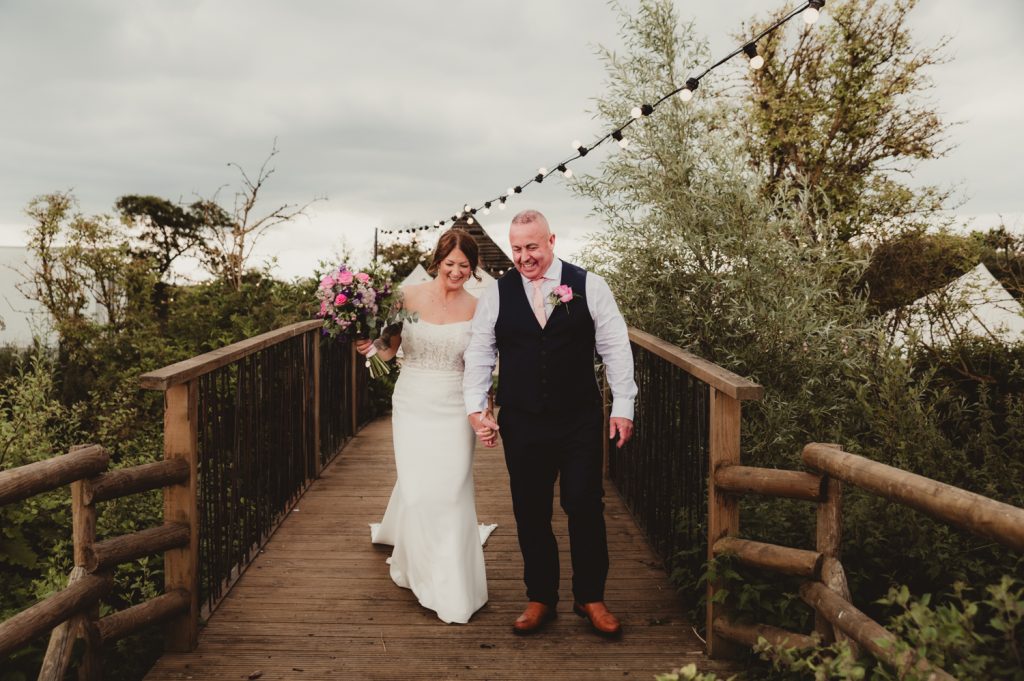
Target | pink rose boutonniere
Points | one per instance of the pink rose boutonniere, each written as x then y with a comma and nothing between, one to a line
561,294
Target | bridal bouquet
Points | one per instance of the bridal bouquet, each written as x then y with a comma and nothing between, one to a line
351,302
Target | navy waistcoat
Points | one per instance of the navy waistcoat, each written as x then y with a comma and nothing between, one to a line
550,369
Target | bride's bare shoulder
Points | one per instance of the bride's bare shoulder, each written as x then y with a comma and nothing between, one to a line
416,289
413,295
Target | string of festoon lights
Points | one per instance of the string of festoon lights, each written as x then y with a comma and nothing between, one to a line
810,11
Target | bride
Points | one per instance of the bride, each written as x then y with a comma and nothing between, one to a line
431,517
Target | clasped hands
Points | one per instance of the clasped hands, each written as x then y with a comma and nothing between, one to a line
485,427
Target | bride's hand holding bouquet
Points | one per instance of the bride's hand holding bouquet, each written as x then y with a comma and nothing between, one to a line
358,305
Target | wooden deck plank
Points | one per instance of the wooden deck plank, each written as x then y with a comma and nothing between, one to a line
318,603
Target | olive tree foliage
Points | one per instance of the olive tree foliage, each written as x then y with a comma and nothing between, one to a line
840,116
694,253
700,251
83,270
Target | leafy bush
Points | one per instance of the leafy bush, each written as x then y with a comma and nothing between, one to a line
970,639
87,391
704,252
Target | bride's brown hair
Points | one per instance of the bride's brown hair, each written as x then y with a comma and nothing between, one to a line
448,242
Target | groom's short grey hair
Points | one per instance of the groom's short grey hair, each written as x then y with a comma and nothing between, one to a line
529,215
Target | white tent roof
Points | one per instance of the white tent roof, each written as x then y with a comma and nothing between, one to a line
417,276
976,304
477,287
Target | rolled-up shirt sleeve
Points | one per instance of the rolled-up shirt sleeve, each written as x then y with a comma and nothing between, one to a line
482,352
611,338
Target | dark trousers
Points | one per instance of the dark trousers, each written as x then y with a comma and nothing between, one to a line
540,448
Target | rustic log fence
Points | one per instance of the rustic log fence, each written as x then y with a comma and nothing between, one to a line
687,438
73,612
246,429
826,590
249,426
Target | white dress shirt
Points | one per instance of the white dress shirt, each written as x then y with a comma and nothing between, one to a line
610,336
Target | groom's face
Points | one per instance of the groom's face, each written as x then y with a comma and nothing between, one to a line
533,248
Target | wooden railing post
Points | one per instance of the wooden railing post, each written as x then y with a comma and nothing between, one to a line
83,533
58,652
723,509
829,541
181,565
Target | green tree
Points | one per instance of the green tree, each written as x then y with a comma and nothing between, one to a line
165,230
403,256
97,293
839,118
229,236
692,249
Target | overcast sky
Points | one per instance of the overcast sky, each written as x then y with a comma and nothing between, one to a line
396,112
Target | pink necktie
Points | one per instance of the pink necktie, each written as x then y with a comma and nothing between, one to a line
538,302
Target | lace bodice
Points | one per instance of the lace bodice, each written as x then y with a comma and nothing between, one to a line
437,347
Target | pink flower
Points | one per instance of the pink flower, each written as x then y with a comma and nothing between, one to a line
564,293
323,307
363,277
327,281
340,299
345,278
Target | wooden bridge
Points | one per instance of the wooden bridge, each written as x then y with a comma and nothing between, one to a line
317,603
275,462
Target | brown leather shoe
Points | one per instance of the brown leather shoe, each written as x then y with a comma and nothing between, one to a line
533,618
601,620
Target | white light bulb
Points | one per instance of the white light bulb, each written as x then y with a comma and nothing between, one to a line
811,15
636,112
437,223
487,211
501,206
542,171
686,94
576,144
469,221
623,142
568,172
756,62
465,208
511,191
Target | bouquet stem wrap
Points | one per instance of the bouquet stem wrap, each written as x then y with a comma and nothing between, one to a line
377,366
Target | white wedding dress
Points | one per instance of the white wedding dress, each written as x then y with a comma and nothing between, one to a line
431,517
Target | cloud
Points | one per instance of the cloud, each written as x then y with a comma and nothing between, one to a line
397,112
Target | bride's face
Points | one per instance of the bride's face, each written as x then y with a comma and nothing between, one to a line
454,270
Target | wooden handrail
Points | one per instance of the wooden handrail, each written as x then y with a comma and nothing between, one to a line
54,609
130,620
112,552
47,475
782,559
733,385
186,370
772,482
142,478
878,640
987,517
748,634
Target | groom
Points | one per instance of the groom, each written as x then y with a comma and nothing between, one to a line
551,414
